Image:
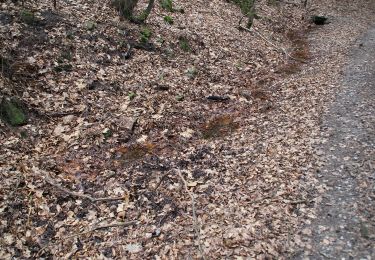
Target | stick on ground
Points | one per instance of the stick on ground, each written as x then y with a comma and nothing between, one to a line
80,195
195,219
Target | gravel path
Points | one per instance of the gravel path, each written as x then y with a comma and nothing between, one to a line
345,225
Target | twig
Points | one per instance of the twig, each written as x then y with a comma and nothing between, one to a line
261,199
271,196
80,195
54,114
195,220
294,202
161,180
325,255
118,224
287,55
305,3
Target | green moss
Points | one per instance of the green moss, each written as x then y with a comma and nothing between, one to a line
142,17
11,111
23,134
28,17
168,19
145,35
247,9
70,35
131,95
66,55
245,5
184,44
167,5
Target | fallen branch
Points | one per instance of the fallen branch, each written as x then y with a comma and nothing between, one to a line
294,202
54,114
77,194
287,55
118,224
271,196
195,219
161,180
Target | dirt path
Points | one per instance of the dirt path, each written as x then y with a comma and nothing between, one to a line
345,225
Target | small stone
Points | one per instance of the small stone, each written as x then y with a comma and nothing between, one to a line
133,248
90,25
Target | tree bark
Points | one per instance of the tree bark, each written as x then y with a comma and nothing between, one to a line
126,8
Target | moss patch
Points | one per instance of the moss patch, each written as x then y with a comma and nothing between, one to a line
28,17
168,19
184,44
145,35
167,5
12,112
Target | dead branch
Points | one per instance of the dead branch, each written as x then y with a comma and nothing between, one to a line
117,224
54,114
286,54
49,180
195,219
161,180
294,202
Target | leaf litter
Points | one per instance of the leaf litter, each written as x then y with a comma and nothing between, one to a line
189,178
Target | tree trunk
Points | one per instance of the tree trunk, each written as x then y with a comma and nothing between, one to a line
143,17
126,8
251,15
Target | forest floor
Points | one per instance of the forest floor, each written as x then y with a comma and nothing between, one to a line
207,142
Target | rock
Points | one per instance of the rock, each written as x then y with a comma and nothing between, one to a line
180,98
364,231
319,20
90,25
133,248
12,112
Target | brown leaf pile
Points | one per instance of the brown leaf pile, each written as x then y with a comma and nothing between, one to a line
224,177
